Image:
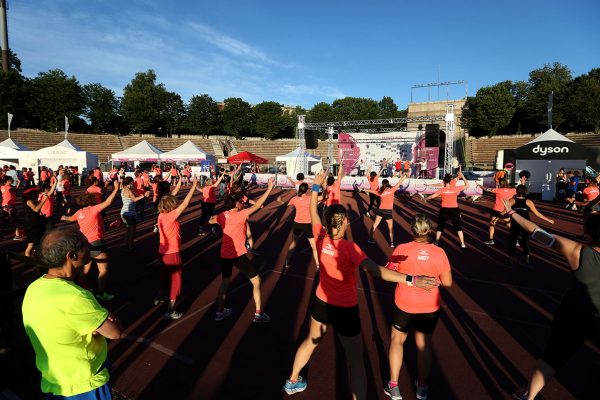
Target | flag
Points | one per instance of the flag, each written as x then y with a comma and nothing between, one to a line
9,121
66,126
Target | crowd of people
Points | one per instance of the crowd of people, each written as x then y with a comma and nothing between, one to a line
419,267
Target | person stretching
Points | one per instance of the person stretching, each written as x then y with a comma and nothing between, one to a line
128,213
169,249
91,224
449,209
335,302
502,192
235,253
415,308
209,198
385,210
373,187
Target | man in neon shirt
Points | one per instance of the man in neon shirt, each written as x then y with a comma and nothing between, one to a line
65,324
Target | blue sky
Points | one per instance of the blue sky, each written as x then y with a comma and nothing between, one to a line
301,53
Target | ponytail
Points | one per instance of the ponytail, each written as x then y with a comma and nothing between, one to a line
303,188
385,184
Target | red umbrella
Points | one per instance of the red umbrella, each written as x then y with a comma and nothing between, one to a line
246,157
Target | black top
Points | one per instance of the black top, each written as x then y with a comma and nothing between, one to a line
584,295
521,207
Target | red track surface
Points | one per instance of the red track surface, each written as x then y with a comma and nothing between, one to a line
494,323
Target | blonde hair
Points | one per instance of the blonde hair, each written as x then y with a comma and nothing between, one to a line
167,203
421,225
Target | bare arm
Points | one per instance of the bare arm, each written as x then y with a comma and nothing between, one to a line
111,328
446,278
433,196
177,186
262,198
111,197
38,207
397,185
423,282
537,213
71,218
314,198
186,202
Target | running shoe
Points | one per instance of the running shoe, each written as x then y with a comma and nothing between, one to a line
392,245
463,246
159,300
371,240
393,392
574,207
219,316
367,214
105,296
295,387
421,391
172,315
18,238
155,229
522,394
261,318
491,241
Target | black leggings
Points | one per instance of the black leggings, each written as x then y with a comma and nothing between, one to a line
373,199
208,210
515,231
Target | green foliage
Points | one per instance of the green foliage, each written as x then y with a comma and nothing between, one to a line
491,109
203,116
584,101
355,108
142,102
237,117
52,95
13,97
321,112
387,108
172,111
268,119
101,107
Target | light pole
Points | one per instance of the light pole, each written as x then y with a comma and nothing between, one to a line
4,32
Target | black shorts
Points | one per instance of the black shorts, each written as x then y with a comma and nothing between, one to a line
570,328
242,263
423,322
129,220
498,214
97,247
384,214
452,214
344,320
305,229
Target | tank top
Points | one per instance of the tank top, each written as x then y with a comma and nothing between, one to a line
584,294
521,207
128,205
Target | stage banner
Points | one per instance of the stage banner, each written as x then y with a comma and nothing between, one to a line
361,150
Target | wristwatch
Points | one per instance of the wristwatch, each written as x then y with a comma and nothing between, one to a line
409,280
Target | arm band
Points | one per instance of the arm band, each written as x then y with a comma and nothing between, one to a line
511,212
315,187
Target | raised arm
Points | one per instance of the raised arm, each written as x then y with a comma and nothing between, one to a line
186,202
53,188
340,172
111,197
314,199
178,185
537,213
262,199
397,185
218,182
37,207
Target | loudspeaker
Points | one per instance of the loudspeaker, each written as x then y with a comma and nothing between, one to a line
310,138
432,135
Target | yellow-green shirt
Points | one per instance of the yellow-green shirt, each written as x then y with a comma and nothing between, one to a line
60,318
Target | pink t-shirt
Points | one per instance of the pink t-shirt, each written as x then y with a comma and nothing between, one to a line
9,198
96,191
91,223
449,195
209,194
502,194
333,194
47,209
170,233
302,205
233,224
338,260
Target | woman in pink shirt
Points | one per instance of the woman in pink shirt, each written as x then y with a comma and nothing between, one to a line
386,207
302,224
502,192
91,224
209,198
234,251
48,207
169,249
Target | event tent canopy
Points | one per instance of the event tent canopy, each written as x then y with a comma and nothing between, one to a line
246,157
64,153
186,152
293,161
143,151
12,152
14,145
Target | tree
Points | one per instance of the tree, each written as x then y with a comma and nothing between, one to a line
355,108
584,101
172,111
53,96
290,121
491,109
268,119
237,117
387,108
100,107
321,112
13,97
551,78
143,100
519,91
203,116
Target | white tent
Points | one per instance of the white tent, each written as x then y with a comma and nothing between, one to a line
65,153
186,152
143,151
293,161
12,152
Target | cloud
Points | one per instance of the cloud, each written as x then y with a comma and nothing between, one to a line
312,90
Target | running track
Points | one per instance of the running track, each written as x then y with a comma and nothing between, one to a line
495,319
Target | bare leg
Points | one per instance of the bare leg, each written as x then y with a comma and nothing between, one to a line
438,235
102,263
291,249
315,335
313,246
540,376
461,237
424,356
29,249
396,353
390,224
353,347
492,228
256,291
375,225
